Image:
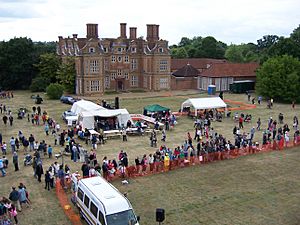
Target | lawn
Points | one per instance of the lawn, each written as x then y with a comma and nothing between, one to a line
256,189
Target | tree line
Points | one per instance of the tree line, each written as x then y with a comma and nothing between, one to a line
25,64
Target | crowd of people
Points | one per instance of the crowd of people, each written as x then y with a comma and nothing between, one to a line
200,144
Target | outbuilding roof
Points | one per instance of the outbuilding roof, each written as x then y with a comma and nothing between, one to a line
187,71
231,70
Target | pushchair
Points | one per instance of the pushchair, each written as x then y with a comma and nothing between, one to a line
28,160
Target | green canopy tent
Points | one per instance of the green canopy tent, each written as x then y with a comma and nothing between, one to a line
155,109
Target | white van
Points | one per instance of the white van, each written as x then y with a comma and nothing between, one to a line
100,203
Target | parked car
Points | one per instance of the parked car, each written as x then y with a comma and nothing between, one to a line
67,114
67,100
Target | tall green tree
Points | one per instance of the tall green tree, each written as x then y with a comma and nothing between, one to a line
66,74
47,71
279,78
17,57
242,53
16,63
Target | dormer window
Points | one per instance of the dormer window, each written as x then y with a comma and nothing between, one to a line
91,50
133,49
119,50
161,50
105,49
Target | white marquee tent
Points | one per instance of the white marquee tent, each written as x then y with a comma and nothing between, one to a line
83,105
204,103
87,118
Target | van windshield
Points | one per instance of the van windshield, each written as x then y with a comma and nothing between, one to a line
121,218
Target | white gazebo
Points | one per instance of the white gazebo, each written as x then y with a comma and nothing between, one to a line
204,103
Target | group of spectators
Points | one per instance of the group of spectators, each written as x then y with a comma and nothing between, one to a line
9,207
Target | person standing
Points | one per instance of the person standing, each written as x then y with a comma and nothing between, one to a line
22,196
13,213
16,161
252,132
47,180
124,134
163,136
61,175
2,168
14,198
50,150
4,118
241,122
46,129
11,119
39,170
3,148
12,143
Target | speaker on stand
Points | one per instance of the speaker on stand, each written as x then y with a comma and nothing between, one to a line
117,105
160,215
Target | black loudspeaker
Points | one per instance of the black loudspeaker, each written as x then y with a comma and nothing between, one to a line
160,215
117,106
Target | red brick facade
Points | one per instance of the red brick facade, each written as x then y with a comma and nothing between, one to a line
118,64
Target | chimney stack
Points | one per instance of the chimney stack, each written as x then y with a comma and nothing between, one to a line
132,33
60,38
123,30
149,32
75,36
92,30
156,32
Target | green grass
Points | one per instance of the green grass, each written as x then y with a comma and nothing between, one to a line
257,189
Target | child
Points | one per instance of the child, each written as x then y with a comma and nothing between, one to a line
13,213
3,147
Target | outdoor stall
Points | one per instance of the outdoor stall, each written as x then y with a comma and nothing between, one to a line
203,103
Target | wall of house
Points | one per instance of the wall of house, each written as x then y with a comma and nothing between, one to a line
183,83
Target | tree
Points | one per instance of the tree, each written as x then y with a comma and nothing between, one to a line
48,66
279,78
242,53
66,74
39,84
16,63
17,57
179,53
55,91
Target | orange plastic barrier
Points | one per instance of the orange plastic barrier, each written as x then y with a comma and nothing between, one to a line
65,204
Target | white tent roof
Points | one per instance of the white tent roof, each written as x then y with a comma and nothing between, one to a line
83,105
204,103
87,117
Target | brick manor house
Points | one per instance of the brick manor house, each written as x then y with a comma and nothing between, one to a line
118,64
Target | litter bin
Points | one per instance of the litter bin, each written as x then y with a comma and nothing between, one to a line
211,90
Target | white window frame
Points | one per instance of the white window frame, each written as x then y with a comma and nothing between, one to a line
119,73
126,58
113,76
94,66
133,49
95,85
119,58
113,58
107,82
133,64
134,81
126,75
163,83
163,65
91,50
161,50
